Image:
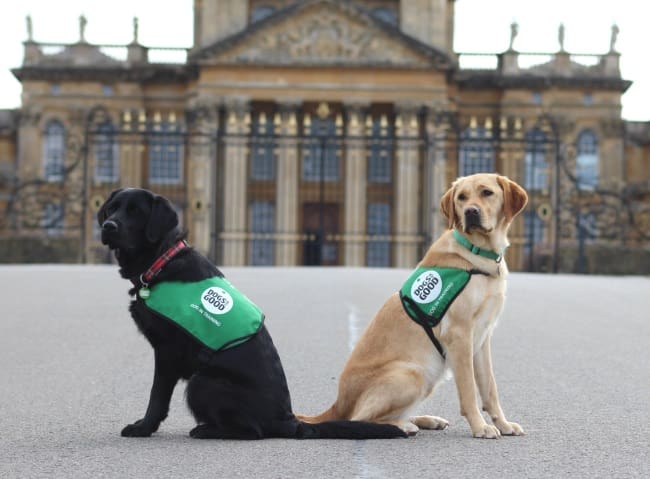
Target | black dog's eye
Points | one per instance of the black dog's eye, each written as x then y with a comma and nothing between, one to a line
487,192
462,197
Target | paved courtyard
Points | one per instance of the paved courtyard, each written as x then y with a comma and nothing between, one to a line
571,354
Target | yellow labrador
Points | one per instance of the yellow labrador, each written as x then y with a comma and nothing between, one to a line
394,365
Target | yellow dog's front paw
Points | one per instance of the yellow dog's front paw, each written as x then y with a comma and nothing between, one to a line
510,428
487,432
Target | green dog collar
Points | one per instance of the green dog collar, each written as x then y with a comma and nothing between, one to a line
475,249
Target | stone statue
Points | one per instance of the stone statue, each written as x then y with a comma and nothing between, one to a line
82,28
514,30
560,36
135,29
612,41
30,28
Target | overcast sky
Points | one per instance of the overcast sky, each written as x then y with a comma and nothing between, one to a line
481,26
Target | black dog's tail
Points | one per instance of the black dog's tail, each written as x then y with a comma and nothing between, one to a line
347,430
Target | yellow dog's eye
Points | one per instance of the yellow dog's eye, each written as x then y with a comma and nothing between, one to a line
462,197
487,192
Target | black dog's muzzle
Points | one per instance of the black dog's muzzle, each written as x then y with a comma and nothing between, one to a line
109,226
109,232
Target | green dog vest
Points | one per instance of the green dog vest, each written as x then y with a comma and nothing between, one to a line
211,310
427,294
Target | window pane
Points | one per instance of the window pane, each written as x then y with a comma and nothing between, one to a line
378,248
166,154
106,154
476,152
261,221
322,152
263,161
587,160
534,228
380,149
535,160
54,151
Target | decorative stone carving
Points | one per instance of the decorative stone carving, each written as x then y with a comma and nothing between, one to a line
323,36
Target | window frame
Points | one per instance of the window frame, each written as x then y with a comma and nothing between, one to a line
261,220
104,137
587,171
476,140
54,165
161,149
378,223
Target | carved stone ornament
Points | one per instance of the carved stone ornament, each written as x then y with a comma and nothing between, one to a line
322,36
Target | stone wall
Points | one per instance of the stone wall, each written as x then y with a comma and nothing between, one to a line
39,250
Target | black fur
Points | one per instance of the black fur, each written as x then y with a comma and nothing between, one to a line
238,393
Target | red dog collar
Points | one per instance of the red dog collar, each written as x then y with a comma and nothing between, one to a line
162,260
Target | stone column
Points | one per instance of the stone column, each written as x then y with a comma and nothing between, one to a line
201,171
30,160
131,152
407,189
235,181
286,191
436,175
355,189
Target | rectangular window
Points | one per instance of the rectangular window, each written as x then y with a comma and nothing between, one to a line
321,152
380,149
378,246
261,227
166,155
53,219
54,151
587,171
534,228
476,153
106,154
263,160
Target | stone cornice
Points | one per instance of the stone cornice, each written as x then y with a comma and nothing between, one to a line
158,73
477,80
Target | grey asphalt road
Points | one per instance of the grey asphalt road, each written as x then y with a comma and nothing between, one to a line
571,357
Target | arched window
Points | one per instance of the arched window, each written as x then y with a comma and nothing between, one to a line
166,153
380,151
106,153
261,12
587,160
263,160
53,151
476,153
536,174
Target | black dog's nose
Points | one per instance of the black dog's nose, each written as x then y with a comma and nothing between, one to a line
109,226
472,211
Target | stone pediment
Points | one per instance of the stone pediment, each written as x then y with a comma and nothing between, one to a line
323,33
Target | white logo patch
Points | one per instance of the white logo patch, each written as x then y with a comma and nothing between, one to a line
216,300
426,287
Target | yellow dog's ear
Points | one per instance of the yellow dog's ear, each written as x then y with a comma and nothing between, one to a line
514,197
447,207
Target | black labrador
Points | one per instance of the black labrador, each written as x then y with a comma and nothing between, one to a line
236,393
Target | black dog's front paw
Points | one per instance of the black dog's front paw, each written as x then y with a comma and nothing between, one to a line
138,429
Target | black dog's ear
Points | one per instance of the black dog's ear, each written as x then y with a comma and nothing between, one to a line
101,214
162,220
